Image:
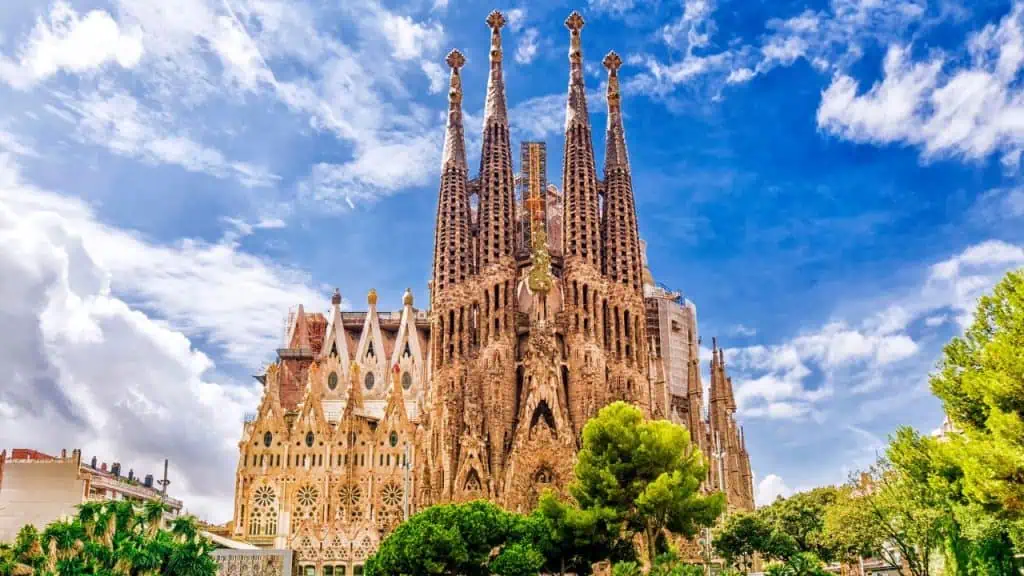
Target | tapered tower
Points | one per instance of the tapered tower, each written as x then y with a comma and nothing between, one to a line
582,233
452,250
620,246
497,181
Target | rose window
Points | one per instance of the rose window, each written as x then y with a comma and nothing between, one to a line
264,496
350,495
391,495
307,496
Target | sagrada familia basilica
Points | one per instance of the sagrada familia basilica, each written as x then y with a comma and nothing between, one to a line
542,311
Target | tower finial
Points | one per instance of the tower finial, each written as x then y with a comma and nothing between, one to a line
612,62
454,142
574,22
495,107
456,60
496,20
336,297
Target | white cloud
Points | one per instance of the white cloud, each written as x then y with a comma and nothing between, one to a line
804,375
436,74
66,41
234,300
612,6
958,282
516,17
87,370
373,173
970,112
14,144
999,204
118,122
769,489
526,50
745,331
410,39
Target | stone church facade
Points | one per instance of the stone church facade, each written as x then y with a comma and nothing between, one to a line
541,312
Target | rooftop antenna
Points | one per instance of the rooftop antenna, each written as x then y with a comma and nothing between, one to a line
164,482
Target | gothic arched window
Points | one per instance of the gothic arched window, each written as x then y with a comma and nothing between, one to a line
393,439
268,438
332,380
369,380
309,439
406,380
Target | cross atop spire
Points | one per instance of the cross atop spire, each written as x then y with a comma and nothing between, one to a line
612,62
574,22
456,60
496,20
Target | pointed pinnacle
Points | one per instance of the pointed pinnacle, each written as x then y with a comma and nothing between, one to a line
574,22
612,62
496,20
455,59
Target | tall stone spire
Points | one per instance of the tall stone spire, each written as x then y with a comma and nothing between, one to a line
622,262
452,249
582,221
497,181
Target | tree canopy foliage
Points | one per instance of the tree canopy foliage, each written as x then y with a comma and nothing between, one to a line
110,538
780,531
981,384
647,473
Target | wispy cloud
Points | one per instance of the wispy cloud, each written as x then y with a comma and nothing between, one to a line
65,41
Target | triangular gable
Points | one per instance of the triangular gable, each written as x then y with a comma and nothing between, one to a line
394,412
298,336
335,341
270,411
312,418
371,340
408,338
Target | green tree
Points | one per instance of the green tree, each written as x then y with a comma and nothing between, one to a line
110,538
800,564
893,511
741,537
578,538
647,472
981,383
798,524
780,531
472,539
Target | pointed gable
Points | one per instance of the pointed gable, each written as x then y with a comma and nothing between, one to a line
370,350
335,340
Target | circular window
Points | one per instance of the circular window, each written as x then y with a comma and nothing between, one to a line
264,496
307,495
406,380
332,380
394,439
267,439
391,495
369,380
309,439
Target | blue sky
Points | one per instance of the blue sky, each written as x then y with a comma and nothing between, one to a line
833,183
